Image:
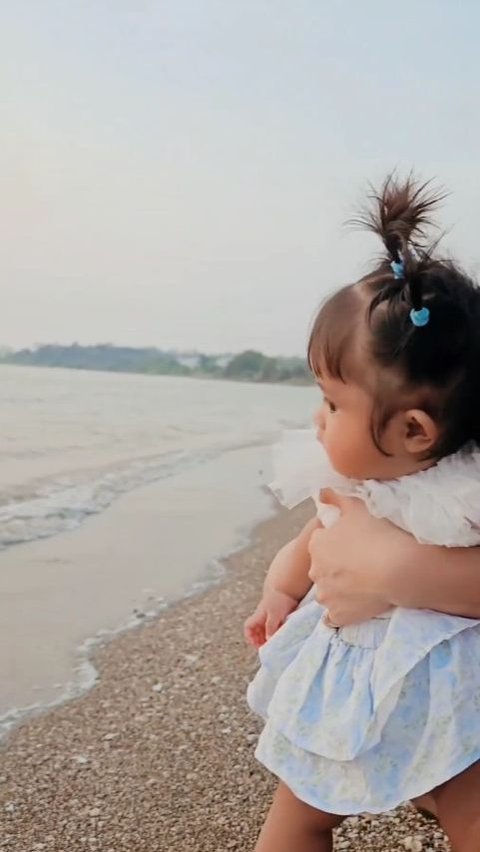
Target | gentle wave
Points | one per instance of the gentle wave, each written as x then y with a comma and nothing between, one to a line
62,504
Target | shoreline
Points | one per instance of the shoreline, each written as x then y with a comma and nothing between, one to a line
159,754
198,376
61,596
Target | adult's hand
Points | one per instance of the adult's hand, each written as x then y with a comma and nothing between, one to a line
352,560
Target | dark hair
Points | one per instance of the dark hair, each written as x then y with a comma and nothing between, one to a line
435,367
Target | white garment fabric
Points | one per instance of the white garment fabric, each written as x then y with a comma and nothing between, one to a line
363,718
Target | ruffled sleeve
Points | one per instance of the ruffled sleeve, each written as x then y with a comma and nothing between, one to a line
301,470
440,505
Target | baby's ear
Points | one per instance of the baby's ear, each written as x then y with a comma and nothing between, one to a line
420,432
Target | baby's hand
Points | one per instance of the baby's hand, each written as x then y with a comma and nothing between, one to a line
269,615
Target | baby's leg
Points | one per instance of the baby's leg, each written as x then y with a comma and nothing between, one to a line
458,809
293,825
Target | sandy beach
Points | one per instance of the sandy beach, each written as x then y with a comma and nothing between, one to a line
159,754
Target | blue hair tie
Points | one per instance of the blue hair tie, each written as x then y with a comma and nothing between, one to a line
420,318
398,268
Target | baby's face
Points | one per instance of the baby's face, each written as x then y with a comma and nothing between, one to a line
343,425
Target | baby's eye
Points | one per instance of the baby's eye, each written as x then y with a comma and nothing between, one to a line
331,406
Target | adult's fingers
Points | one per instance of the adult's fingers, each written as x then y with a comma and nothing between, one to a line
331,498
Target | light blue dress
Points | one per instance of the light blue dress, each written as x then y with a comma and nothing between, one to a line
366,717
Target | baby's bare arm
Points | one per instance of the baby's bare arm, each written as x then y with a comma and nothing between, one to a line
288,572
286,583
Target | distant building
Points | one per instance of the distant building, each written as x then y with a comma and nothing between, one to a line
222,361
195,360
190,360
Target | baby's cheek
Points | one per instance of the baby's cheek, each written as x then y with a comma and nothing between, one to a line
343,457
334,451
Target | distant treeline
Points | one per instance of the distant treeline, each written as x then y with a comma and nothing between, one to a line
247,366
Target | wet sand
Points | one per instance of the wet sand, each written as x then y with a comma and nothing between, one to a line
148,548
159,754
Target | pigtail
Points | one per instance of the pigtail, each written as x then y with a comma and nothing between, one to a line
400,213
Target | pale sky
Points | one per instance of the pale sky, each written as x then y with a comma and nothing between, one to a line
177,172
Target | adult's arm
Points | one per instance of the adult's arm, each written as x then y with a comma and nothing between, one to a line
362,565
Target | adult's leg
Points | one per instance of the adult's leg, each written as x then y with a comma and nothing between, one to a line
293,826
458,808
